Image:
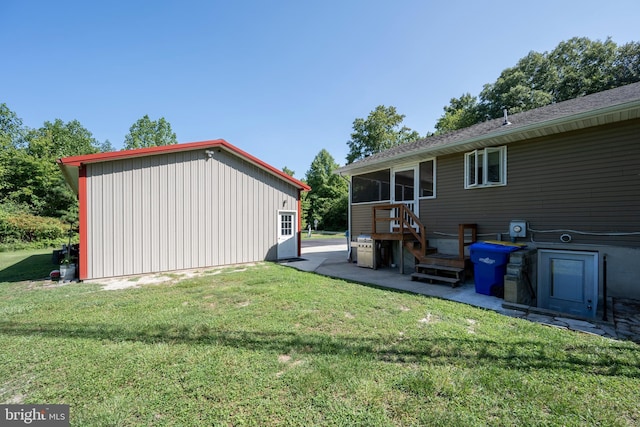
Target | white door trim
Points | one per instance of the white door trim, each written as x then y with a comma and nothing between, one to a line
415,203
287,234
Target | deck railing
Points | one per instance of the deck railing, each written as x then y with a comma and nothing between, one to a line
401,223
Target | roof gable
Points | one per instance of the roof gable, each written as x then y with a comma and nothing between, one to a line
597,109
70,165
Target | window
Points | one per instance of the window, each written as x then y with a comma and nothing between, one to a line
427,178
371,187
286,224
485,168
404,184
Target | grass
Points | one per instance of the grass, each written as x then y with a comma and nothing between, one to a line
26,265
268,345
322,235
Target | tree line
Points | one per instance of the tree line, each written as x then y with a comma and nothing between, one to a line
36,205
32,190
574,68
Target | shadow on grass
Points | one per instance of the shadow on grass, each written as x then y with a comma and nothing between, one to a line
472,353
34,267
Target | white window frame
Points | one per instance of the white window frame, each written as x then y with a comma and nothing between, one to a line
432,159
471,158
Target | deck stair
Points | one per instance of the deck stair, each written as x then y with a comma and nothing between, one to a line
444,268
407,228
434,273
415,247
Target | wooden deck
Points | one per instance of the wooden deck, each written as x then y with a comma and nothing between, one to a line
396,222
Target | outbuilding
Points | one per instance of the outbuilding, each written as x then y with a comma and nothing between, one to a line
182,206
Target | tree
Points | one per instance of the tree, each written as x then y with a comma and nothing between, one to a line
11,137
34,180
460,113
11,129
576,67
288,171
526,86
106,147
583,67
328,195
149,133
380,131
627,63
59,139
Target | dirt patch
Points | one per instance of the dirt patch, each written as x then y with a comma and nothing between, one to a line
429,318
471,328
126,282
118,283
284,358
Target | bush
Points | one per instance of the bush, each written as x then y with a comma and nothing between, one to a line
26,228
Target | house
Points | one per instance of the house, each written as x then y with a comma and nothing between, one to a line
181,206
563,179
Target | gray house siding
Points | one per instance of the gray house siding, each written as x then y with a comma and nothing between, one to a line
585,181
181,210
361,219
572,171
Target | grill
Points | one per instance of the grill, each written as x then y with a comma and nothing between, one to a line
365,251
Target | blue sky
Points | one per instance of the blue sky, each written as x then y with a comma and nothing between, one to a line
279,79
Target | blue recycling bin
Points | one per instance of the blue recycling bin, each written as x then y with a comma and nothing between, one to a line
489,266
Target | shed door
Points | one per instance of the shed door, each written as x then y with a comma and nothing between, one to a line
568,281
287,235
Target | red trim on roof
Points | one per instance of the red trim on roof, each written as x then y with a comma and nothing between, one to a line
77,161
82,214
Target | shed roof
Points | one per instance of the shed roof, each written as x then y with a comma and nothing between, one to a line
70,166
614,105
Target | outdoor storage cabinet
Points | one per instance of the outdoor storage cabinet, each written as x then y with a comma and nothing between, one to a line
489,264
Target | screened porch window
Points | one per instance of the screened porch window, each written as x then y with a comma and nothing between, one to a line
371,187
485,168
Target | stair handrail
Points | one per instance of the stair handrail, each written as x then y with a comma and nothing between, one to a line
404,213
421,236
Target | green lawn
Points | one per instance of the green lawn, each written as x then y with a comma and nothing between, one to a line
269,345
323,235
26,265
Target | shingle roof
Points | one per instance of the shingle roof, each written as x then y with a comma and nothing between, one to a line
554,118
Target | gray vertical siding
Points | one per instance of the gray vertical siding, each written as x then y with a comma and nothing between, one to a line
181,210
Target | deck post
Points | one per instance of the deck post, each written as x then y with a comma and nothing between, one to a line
373,255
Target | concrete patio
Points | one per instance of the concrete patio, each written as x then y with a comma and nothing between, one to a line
328,257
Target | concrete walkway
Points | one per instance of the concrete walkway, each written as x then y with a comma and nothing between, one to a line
329,258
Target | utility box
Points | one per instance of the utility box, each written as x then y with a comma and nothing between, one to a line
489,266
518,228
